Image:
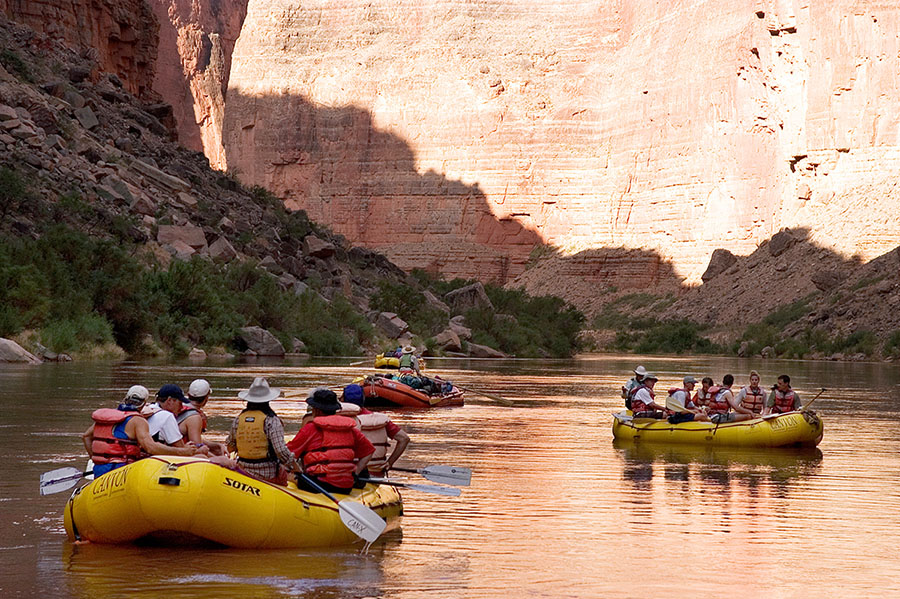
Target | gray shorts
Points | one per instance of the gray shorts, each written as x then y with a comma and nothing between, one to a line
720,418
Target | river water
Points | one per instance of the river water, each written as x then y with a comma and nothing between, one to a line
556,509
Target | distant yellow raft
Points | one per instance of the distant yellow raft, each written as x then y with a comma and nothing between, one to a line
799,429
185,498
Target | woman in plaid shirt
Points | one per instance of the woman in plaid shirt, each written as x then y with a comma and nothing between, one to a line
257,435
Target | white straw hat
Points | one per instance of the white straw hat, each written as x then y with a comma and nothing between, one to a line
259,392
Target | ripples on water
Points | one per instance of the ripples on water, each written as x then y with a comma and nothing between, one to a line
556,509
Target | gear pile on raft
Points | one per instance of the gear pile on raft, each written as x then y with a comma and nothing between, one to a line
409,388
715,415
154,474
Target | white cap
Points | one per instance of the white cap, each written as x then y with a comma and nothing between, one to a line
137,392
199,389
640,371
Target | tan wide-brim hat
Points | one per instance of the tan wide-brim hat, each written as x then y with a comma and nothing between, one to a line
260,392
409,349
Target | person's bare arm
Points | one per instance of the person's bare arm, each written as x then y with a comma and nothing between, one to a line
193,429
402,440
141,432
362,463
87,437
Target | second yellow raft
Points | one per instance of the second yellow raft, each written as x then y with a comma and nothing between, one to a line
800,429
166,496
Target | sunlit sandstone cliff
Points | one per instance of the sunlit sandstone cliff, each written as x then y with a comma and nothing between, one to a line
196,39
122,33
456,136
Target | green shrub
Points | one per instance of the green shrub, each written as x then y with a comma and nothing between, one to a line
80,291
13,191
788,313
78,333
892,344
865,282
411,305
668,337
13,63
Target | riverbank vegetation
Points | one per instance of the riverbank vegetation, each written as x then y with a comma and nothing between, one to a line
519,324
779,334
78,292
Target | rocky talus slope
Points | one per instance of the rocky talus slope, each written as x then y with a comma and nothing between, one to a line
100,160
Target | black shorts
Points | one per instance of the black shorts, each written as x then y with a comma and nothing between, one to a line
681,417
650,414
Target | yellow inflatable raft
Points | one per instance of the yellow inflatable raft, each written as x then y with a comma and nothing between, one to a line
189,498
800,429
393,362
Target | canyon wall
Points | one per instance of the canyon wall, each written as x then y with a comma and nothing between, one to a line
196,39
456,136
122,33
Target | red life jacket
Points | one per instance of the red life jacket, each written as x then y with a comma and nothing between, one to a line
784,402
753,400
106,448
186,412
638,405
374,427
332,461
717,403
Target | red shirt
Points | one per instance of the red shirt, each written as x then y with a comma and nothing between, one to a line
391,428
310,437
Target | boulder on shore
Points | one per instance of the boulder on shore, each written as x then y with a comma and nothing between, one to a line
483,351
447,340
261,342
470,296
10,351
392,325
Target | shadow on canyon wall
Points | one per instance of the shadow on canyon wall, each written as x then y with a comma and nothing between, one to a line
364,183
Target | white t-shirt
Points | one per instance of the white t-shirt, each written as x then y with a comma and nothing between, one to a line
164,423
677,400
643,394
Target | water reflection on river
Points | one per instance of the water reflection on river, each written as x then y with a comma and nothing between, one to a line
556,508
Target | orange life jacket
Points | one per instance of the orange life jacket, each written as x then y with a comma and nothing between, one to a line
717,403
374,427
702,398
106,448
638,405
186,412
333,460
753,400
784,402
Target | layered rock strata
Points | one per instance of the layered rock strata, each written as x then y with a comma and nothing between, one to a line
120,34
458,136
196,39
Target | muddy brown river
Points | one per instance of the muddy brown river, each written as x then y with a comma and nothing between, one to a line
556,508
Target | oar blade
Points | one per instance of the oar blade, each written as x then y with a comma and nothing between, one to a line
59,480
448,475
362,520
448,491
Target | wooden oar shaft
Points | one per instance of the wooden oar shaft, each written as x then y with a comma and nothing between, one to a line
497,398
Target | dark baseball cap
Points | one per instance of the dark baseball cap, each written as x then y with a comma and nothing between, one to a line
170,390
